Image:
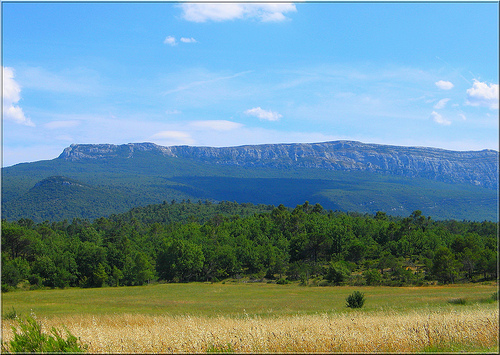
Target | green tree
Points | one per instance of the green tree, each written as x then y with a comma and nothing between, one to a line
99,276
372,277
45,267
14,271
116,276
143,270
338,273
356,252
444,265
180,260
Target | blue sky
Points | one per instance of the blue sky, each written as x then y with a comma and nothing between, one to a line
207,74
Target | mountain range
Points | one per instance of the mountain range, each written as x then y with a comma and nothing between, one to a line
94,180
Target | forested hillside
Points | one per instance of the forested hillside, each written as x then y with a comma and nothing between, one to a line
89,181
202,241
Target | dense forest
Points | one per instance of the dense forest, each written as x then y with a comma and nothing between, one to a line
204,241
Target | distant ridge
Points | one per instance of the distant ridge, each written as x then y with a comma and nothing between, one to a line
94,180
478,168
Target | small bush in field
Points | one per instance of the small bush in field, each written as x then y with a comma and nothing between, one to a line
11,314
220,348
31,339
355,300
459,301
282,281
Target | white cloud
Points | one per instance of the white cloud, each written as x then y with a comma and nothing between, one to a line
482,94
444,85
188,40
462,116
11,95
173,112
440,119
170,40
62,124
202,12
263,114
172,138
216,125
441,104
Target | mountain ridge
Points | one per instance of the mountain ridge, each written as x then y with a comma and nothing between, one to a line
95,180
479,168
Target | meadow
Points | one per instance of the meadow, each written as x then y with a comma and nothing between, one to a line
260,317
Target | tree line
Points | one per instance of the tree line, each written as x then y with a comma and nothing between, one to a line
203,241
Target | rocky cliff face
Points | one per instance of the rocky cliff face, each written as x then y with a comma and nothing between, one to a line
473,167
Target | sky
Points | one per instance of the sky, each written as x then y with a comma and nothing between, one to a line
230,74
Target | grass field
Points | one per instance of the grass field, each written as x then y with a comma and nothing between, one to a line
244,317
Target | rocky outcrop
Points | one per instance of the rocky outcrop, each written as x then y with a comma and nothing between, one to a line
58,181
472,167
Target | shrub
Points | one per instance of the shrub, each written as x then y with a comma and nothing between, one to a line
31,339
355,300
35,280
494,296
220,348
10,315
460,301
372,277
338,273
7,288
304,279
282,281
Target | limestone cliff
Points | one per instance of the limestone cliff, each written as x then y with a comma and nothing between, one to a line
473,167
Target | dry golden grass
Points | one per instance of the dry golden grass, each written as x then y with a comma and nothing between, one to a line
473,326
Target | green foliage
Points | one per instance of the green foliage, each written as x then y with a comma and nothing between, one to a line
31,339
304,244
338,273
494,296
459,301
180,260
355,300
282,281
228,348
10,314
372,277
445,266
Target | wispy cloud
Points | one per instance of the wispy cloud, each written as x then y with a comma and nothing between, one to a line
202,12
263,114
11,97
62,124
78,80
444,85
441,103
439,119
216,125
203,82
172,137
483,94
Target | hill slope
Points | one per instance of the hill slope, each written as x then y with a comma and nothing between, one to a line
339,175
